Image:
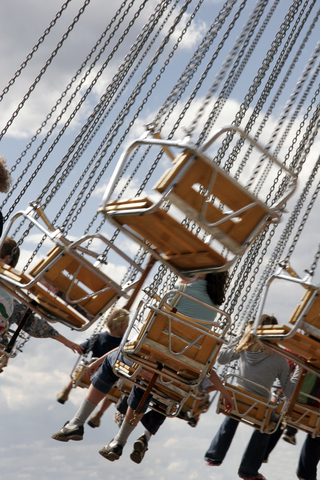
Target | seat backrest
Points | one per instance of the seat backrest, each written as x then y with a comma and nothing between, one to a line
207,176
64,271
312,313
178,342
46,304
252,409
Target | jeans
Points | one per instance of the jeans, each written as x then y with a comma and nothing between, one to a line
253,456
309,458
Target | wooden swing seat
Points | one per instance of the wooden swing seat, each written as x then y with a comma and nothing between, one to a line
251,409
312,317
299,344
182,182
46,304
173,243
168,396
77,279
306,418
177,342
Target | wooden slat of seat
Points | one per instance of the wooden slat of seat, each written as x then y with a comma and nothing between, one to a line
313,315
244,403
180,246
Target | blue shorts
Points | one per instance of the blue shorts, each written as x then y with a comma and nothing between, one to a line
105,379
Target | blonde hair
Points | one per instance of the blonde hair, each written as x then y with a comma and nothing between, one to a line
116,318
249,342
5,176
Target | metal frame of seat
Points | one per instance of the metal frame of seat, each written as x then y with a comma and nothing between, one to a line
219,228
304,318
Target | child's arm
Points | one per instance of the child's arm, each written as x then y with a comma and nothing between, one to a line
218,385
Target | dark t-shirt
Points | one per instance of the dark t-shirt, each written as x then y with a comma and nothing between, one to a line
102,343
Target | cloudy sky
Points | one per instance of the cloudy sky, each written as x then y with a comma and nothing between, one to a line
30,383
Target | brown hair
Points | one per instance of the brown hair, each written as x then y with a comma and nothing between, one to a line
217,286
116,318
249,342
10,248
5,176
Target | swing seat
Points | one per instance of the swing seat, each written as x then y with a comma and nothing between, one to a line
303,409
227,211
79,281
294,338
186,347
79,374
167,240
240,217
252,409
306,418
168,396
178,349
281,337
38,298
84,291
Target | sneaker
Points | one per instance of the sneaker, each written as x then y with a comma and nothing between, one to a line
118,418
211,463
287,437
66,433
140,447
259,477
112,452
62,397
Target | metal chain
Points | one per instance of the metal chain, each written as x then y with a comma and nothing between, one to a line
286,110
197,57
59,101
43,69
235,74
91,132
34,49
65,126
282,242
254,88
124,112
240,43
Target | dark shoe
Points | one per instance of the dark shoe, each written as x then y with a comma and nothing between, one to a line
193,421
66,434
112,452
140,447
259,477
213,464
287,437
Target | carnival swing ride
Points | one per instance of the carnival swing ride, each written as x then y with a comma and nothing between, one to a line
185,164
